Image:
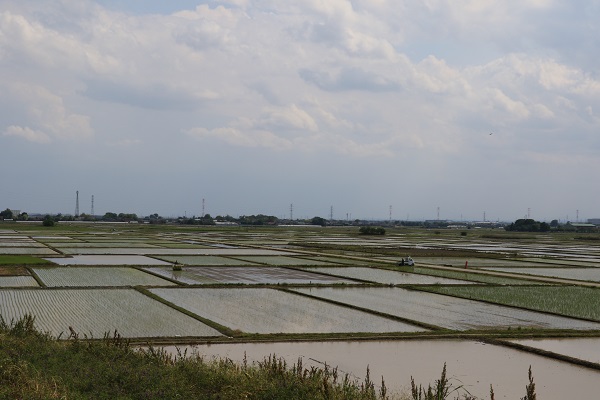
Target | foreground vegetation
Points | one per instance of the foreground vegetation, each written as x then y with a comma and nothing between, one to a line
33,365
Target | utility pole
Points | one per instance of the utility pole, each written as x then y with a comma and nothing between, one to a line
77,204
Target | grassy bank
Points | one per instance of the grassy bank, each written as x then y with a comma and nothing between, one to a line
36,366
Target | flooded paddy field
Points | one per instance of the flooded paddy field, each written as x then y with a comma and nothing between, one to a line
386,276
97,276
587,349
579,274
474,365
445,311
98,311
282,260
269,284
472,276
106,260
273,311
244,275
91,245
163,251
476,262
38,251
205,260
18,281
22,243
565,262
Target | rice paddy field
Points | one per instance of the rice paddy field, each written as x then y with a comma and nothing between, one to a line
245,275
579,274
272,311
96,276
385,276
188,284
99,311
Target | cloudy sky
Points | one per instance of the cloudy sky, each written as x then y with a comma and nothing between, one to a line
469,106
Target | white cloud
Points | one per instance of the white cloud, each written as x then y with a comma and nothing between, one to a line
514,107
286,118
27,133
317,78
46,112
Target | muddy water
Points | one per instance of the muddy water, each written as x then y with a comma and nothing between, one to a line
587,349
472,364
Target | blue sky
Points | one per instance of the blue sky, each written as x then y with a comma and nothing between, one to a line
152,106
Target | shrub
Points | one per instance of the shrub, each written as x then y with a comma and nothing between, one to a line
371,230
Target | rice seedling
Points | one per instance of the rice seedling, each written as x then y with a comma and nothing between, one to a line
572,301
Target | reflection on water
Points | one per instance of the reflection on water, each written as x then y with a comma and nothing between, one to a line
472,364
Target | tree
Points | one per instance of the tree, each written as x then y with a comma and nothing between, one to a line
6,214
259,219
371,230
123,217
318,221
528,225
48,221
110,216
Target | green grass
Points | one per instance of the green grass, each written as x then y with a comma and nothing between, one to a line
21,260
35,366
572,301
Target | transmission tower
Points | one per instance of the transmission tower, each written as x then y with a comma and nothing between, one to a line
77,204
202,216
291,212
331,213
438,213
390,213
92,206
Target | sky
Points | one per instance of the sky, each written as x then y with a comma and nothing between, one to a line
364,109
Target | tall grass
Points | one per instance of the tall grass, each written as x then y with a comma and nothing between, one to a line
33,365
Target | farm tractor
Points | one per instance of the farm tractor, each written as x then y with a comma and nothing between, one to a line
406,261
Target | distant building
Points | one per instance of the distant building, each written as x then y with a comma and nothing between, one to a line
595,221
585,227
